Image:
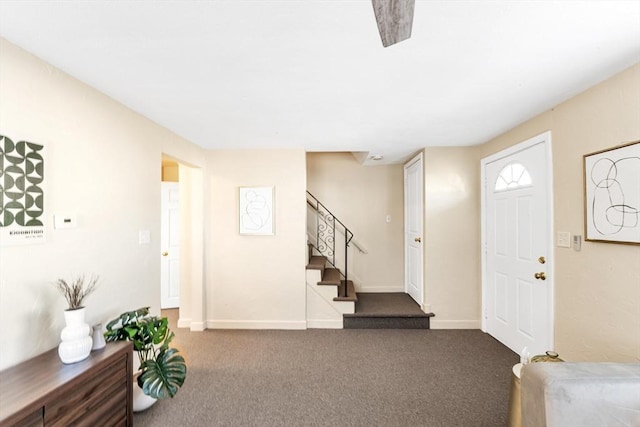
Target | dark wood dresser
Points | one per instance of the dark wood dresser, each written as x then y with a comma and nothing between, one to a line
94,392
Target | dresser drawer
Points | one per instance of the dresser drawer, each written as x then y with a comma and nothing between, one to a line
97,391
35,419
93,401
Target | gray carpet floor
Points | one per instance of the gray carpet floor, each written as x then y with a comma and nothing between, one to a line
338,378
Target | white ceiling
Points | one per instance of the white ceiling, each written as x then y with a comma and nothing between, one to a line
314,74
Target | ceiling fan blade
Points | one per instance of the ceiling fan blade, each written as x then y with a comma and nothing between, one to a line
395,18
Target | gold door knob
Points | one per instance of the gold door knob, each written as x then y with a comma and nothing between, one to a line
165,253
417,239
540,276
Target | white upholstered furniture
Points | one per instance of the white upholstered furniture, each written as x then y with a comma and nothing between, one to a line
580,395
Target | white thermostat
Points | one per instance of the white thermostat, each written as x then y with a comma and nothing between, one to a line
66,220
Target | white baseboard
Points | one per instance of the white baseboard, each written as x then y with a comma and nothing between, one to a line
454,324
184,323
256,324
194,326
379,289
198,326
324,324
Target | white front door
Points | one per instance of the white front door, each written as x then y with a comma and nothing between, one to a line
517,260
169,264
413,218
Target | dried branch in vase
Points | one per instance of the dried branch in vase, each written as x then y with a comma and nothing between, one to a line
77,290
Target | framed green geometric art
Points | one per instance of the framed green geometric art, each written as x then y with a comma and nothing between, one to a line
22,219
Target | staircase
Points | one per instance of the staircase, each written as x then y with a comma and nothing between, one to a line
332,301
333,277
329,297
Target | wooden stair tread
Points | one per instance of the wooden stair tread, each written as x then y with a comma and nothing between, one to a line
317,263
331,277
352,296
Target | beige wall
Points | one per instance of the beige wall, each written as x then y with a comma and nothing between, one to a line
85,134
362,197
451,240
251,281
192,241
597,290
256,281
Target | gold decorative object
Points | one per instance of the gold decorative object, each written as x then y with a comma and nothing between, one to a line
549,356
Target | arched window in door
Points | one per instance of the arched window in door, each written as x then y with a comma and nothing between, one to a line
512,176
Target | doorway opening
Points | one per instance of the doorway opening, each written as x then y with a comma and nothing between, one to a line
182,271
170,235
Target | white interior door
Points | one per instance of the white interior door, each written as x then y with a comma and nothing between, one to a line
413,219
169,264
518,280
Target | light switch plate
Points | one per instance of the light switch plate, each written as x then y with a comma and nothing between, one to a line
563,239
144,237
577,243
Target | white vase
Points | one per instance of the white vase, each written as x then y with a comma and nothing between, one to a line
76,339
98,337
141,401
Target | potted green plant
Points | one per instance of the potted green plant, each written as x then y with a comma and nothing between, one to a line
162,370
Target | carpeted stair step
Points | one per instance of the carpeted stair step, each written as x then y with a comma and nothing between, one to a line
330,277
387,321
351,295
394,310
317,263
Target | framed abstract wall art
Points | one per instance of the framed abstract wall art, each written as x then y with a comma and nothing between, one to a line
22,219
612,194
256,211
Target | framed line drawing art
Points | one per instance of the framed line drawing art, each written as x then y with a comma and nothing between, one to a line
612,194
256,211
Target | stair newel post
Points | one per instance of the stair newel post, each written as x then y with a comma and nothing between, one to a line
346,265
317,226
